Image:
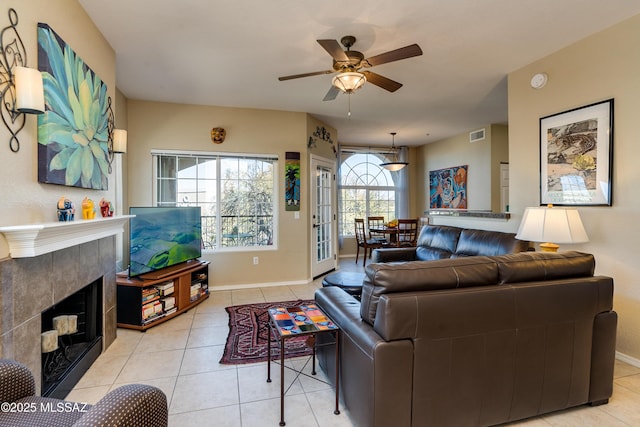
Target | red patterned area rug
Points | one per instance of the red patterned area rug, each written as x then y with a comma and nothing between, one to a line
249,332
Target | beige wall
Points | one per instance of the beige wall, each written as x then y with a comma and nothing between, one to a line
603,66
160,126
24,200
326,148
482,157
499,154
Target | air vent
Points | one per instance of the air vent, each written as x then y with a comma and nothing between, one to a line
476,135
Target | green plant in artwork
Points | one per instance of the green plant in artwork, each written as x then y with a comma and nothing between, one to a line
584,162
73,131
292,181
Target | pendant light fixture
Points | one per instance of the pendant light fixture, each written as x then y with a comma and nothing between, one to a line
395,164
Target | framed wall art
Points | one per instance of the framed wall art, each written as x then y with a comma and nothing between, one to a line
73,131
448,188
292,181
576,153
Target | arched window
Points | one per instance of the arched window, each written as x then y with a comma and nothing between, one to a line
366,189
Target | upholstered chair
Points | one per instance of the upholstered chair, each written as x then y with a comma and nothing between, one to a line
133,405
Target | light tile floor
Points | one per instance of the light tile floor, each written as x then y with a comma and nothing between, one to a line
181,358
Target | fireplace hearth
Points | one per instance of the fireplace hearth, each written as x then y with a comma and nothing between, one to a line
71,339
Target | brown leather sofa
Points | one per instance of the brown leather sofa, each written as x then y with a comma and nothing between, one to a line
443,241
473,341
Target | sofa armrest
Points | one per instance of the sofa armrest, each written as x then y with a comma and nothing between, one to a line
393,255
603,356
16,381
372,370
129,405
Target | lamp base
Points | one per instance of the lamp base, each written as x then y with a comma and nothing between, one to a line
549,247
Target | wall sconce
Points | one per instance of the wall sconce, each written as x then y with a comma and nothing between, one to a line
117,138
21,89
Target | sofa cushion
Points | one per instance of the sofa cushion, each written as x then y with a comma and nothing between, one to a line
426,253
488,243
437,242
537,266
385,278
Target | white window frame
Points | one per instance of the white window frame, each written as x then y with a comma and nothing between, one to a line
218,155
368,189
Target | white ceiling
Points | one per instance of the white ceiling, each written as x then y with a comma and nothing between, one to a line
231,53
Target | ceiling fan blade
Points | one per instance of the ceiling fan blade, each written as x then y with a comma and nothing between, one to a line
393,55
297,76
381,81
334,49
331,94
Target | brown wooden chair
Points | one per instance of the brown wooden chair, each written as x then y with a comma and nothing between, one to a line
407,232
363,242
376,222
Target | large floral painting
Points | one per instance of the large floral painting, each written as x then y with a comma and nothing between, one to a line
73,131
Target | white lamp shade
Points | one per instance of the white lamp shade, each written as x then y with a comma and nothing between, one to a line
349,81
552,224
394,166
119,141
29,90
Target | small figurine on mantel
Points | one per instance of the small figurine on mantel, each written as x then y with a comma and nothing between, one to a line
66,210
106,208
88,209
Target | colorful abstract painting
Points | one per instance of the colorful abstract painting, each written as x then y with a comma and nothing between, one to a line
448,188
292,181
73,131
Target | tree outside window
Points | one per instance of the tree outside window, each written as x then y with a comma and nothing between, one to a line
236,195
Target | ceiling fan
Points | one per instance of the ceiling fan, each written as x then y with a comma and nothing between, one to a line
348,64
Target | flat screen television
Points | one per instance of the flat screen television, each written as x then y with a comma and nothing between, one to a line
163,236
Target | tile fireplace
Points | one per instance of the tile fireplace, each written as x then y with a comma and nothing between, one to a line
32,285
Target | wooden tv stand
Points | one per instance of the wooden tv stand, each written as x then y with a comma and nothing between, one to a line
145,301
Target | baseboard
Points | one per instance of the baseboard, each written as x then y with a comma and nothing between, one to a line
628,359
214,288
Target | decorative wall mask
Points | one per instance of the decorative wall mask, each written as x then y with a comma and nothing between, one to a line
218,135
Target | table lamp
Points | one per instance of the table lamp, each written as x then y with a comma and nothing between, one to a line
552,224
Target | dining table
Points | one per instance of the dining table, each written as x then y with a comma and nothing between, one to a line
392,232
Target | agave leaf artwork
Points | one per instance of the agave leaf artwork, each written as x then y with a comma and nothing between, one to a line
73,131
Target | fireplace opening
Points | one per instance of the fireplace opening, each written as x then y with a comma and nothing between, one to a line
71,339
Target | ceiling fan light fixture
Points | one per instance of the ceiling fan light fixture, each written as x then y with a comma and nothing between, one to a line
349,81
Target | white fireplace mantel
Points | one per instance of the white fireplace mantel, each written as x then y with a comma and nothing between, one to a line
37,239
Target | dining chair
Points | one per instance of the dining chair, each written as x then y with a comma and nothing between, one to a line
363,242
407,232
373,223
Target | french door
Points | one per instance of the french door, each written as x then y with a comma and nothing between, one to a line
323,216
